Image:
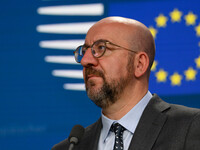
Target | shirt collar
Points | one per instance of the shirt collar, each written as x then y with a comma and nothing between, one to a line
130,120
106,126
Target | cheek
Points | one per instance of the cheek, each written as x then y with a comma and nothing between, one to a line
116,68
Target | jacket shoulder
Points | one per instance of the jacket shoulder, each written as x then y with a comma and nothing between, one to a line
173,109
63,145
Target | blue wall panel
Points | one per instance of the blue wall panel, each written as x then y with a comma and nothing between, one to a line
36,109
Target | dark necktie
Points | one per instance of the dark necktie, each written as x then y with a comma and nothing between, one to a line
118,130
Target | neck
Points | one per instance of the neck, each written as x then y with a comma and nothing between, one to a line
125,103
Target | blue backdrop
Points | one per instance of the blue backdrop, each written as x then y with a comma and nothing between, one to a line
41,87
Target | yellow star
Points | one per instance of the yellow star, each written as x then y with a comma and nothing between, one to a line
153,68
197,28
176,15
190,74
176,79
190,18
197,60
153,31
161,75
161,20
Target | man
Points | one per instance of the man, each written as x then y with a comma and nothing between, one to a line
117,57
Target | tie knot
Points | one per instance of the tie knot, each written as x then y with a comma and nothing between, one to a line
117,129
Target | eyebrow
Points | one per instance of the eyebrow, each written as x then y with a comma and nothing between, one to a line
103,40
87,45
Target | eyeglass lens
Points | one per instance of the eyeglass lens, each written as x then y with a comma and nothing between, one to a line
79,54
98,49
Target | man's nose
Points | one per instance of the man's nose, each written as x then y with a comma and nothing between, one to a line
88,59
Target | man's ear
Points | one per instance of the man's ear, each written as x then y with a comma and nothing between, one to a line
141,64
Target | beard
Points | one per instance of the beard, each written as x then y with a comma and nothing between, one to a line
109,92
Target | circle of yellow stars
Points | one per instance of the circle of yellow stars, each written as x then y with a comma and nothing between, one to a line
161,22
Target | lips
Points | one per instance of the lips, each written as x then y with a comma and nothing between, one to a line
91,73
92,76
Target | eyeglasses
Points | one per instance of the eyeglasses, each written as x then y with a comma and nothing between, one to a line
98,49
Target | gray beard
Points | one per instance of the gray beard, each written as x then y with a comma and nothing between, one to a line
109,93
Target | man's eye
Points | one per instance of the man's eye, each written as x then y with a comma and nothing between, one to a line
83,50
101,47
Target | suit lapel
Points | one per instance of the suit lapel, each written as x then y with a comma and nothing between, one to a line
150,125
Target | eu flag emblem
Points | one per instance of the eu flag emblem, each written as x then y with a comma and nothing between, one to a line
175,27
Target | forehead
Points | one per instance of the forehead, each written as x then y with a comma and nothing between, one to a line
113,32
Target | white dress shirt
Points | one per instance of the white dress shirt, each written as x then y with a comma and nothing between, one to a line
129,121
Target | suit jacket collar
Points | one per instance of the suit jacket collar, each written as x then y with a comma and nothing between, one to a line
150,124
147,131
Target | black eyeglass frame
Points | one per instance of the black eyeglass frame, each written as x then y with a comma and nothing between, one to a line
105,41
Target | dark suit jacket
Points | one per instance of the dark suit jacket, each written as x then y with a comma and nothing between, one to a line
162,126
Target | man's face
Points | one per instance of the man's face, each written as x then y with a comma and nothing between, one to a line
106,77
